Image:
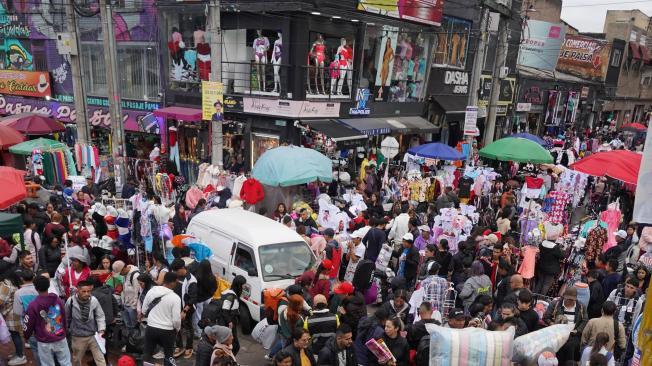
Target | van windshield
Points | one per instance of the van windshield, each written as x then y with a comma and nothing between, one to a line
285,261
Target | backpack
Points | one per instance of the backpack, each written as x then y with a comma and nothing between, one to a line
211,313
271,298
423,351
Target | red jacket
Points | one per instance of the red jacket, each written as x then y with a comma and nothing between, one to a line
65,279
252,191
5,248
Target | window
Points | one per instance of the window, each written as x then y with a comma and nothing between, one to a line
285,261
138,70
244,258
39,57
452,43
615,58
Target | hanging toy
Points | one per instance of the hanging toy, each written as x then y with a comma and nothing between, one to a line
37,163
110,218
124,233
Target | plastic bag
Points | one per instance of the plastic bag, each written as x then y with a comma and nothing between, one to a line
528,347
469,346
265,334
5,337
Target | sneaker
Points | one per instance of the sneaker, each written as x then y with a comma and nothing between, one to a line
159,355
269,358
27,345
17,361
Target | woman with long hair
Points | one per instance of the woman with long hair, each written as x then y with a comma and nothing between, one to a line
231,308
396,343
206,287
280,212
643,276
180,220
291,317
478,283
146,283
159,267
598,346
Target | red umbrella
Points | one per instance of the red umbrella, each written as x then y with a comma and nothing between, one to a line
636,127
13,186
9,137
623,165
33,124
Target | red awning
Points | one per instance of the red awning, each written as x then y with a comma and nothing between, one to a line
633,47
179,113
13,186
645,53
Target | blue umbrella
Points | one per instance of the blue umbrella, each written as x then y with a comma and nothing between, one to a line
531,137
436,150
291,165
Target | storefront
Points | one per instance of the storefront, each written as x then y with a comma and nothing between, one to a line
449,90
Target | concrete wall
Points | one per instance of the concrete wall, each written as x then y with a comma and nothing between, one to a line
546,10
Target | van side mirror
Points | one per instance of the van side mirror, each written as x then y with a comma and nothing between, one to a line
252,272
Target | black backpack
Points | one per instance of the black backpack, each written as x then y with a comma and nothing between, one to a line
363,275
213,314
423,351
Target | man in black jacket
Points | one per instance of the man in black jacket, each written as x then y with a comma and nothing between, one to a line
322,324
211,336
597,295
408,261
417,330
375,238
339,348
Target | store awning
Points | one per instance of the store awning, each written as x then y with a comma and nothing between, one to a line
382,126
179,113
633,47
645,53
335,130
451,104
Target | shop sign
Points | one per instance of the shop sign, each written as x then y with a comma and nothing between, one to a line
458,79
135,105
501,110
361,98
422,11
471,121
27,83
290,108
584,57
540,49
532,95
233,103
523,107
585,92
506,94
212,100
13,25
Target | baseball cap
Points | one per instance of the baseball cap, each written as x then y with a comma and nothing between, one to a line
329,232
570,293
357,234
424,228
117,267
126,361
621,233
456,313
344,288
327,264
408,237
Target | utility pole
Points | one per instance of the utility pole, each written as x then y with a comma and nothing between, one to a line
478,65
501,57
115,103
83,136
215,35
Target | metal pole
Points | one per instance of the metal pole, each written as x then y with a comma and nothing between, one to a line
81,120
478,66
217,143
115,107
501,56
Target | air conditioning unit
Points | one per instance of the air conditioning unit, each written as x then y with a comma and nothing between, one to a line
504,71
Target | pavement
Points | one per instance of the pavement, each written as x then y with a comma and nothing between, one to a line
251,353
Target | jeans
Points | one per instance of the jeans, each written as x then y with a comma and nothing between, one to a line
544,283
196,316
129,318
186,333
48,352
160,337
18,343
34,346
82,344
280,343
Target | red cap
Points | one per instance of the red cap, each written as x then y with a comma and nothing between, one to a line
499,236
344,288
327,264
126,361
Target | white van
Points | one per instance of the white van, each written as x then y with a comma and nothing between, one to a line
267,253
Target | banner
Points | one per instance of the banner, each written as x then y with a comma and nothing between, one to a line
290,108
540,44
551,110
212,101
584,57
421,11
27,83
643,197
470,121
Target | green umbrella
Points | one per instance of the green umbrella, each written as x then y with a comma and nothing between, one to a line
43,144
516,149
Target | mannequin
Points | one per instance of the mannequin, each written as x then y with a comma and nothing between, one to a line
345,54
260,46
388,56
276,60
335,73
318,53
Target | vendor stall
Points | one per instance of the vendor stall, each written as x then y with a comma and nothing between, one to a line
49,158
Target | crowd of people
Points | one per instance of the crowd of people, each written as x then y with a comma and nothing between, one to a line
384,277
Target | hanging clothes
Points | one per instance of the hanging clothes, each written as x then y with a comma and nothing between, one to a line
612,216
557,213
595,242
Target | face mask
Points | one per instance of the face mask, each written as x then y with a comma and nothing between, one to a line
75,227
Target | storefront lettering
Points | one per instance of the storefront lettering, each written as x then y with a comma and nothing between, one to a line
63,112
100,117
460,79
259,106
532,95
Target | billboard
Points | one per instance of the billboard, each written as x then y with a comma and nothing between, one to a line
584,57
540,44
27,83
421,11
212,105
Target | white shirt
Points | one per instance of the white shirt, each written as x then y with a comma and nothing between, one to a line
166,314
586,356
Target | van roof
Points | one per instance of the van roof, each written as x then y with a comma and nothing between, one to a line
251,227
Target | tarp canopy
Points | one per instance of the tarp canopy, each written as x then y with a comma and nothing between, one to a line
10,224
13,186
623,165
516,149
43,144
286,166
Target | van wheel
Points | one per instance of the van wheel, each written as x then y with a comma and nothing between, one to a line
246,322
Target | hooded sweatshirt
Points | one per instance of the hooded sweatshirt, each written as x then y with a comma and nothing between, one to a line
167,313
45,319
84,319
473,287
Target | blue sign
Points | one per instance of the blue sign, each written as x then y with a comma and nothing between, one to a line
361,97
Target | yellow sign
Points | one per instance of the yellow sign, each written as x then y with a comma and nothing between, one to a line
212,95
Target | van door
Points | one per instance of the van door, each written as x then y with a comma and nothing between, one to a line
244,264
221,245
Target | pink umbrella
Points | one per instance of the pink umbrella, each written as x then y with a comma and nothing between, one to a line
33,124
9,137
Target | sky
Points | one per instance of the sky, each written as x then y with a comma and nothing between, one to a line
588,15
